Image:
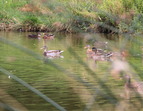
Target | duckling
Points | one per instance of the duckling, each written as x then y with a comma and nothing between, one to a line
38,35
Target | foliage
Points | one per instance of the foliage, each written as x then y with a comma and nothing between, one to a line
71,15
112,6
31,20
137,22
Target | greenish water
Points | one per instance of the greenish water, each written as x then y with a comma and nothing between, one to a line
74,82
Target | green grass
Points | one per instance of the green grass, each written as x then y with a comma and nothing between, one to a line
71,15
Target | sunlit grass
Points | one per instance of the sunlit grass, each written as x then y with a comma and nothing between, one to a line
71,15
112,6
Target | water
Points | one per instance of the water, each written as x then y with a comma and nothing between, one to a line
74,82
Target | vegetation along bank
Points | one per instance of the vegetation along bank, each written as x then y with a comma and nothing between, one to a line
104,16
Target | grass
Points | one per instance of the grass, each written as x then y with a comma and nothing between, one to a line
72,15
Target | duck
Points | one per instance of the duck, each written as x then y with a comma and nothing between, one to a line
37,36
51,53
99,55
95,53
93,50
132,86
48,36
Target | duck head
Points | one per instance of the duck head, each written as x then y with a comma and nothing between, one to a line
127,79
94,49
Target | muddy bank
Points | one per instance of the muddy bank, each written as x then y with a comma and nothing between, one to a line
57,27
24,28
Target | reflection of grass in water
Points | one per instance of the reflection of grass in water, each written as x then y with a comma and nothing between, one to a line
26,65
100,100
41,74
104,88
52,90
113,84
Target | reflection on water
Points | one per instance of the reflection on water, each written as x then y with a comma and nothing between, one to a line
75,82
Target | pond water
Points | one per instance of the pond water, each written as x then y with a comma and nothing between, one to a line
73,81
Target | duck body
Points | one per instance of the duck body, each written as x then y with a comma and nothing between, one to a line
36,36
99,58
53,53
48,36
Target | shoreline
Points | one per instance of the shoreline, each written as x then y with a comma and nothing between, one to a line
72,17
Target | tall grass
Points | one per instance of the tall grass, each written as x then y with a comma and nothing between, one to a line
133,4
69,15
